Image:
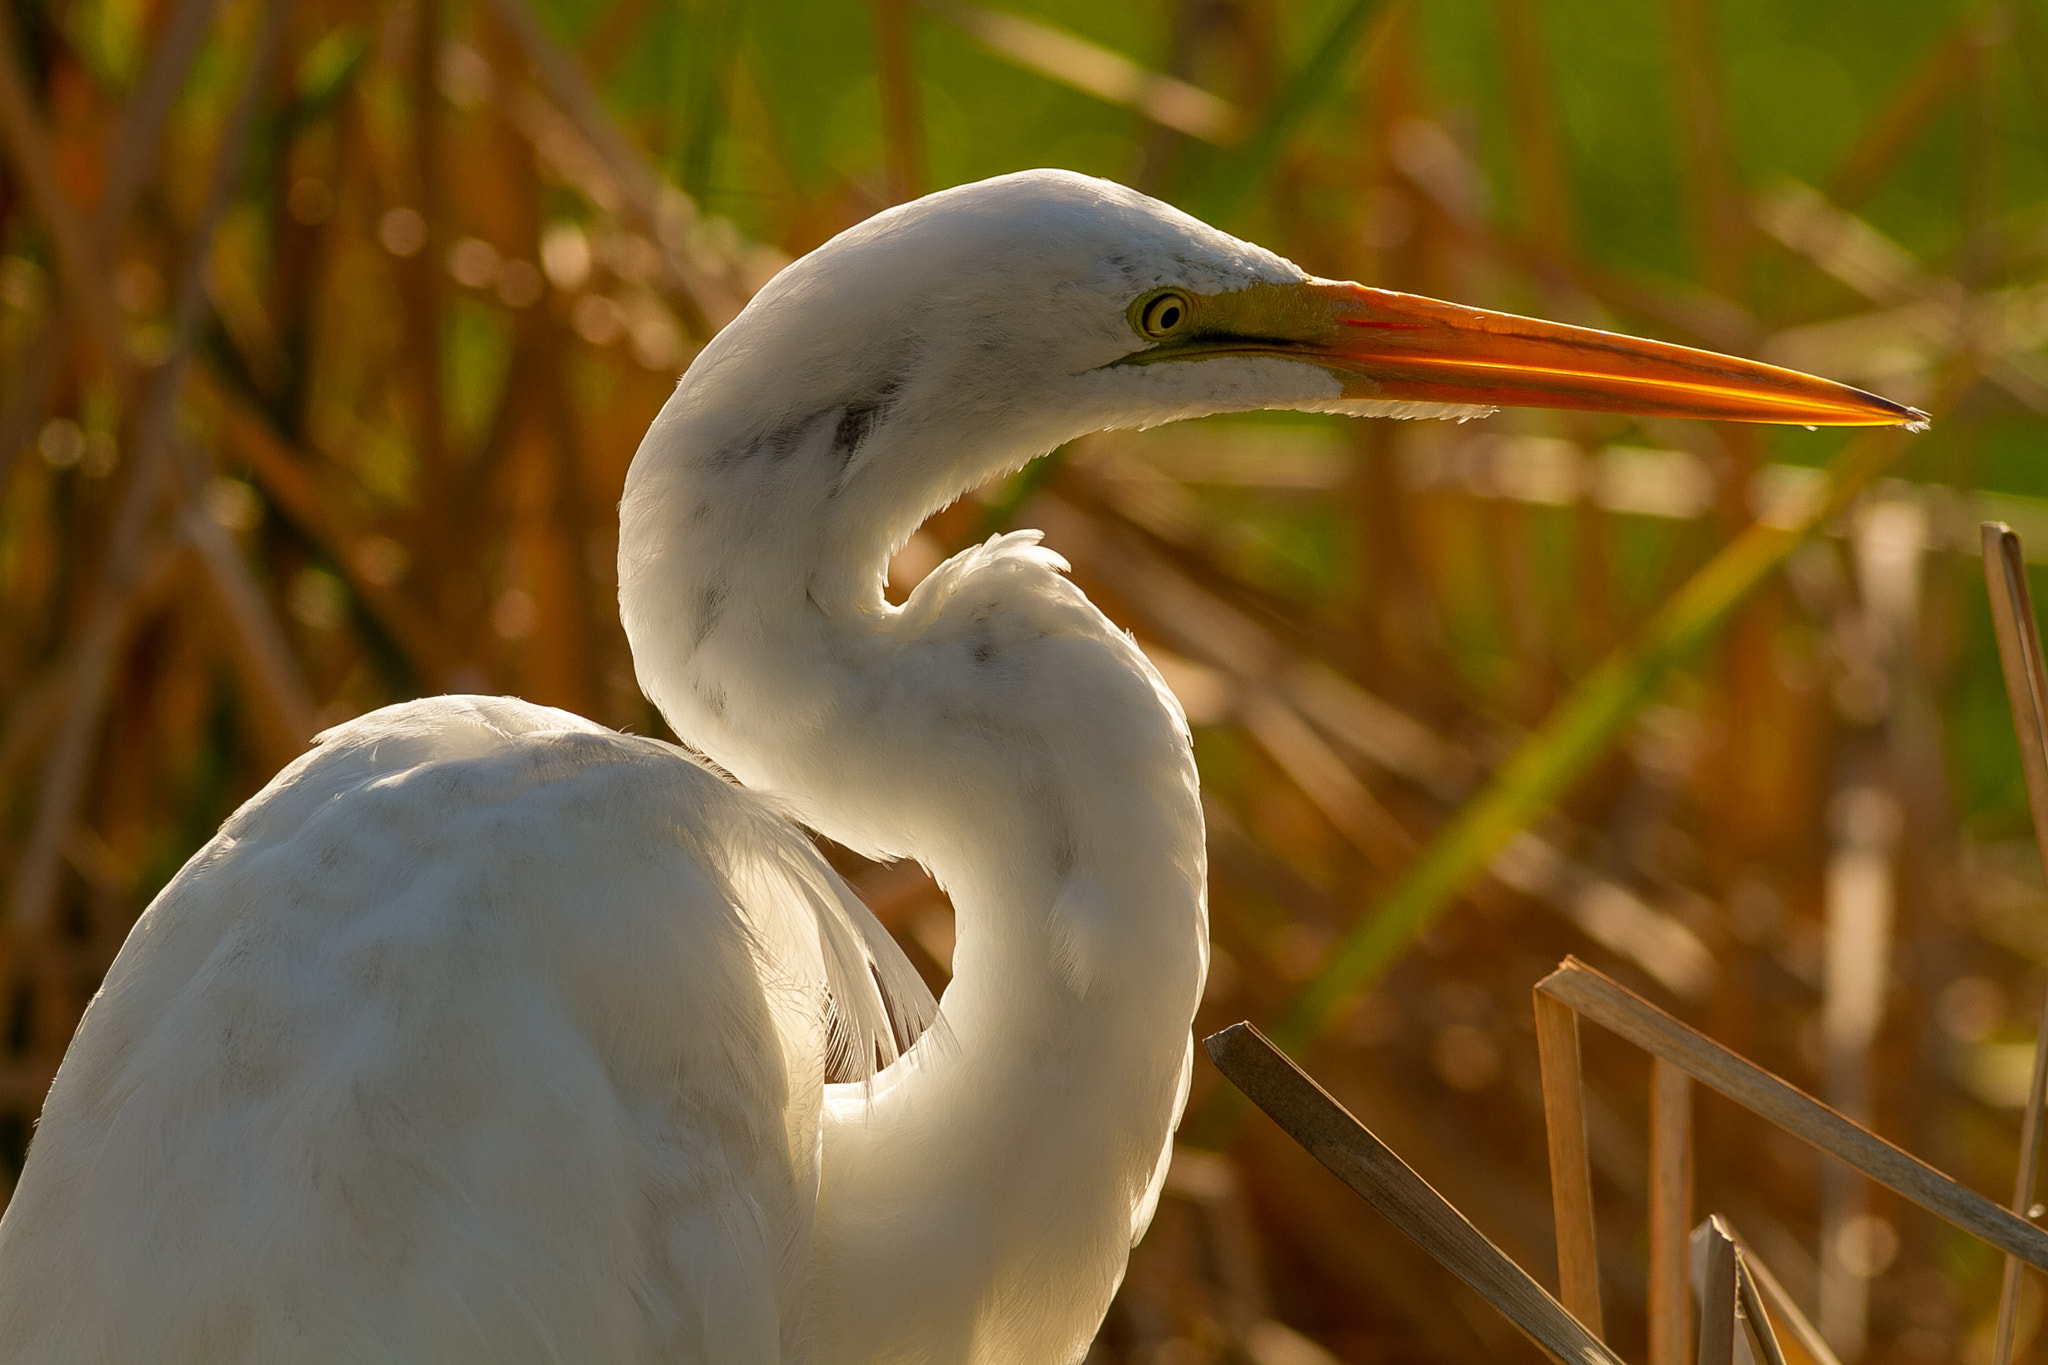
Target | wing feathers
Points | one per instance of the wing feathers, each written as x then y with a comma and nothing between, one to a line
478,1000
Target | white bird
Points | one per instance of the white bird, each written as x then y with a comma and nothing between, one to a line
484,1033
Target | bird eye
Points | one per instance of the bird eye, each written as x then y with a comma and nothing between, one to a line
1163,314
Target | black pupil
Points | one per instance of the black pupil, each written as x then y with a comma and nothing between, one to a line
1167,316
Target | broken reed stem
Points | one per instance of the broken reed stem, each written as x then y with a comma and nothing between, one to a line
1761,1330
1717,1297
1730,1303
1571,1178
1620,1010
1670,1212
1354,1155
1781,1310
2026,688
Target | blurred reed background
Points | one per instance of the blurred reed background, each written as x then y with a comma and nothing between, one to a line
328,328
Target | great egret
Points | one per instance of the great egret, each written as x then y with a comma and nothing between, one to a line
484,1033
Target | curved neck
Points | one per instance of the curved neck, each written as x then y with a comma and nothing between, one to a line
980,1205
1001,731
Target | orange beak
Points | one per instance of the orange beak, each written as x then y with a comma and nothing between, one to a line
1402,347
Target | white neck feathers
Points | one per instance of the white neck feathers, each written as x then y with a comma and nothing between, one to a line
979,1199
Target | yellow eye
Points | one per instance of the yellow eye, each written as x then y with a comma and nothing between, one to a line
1163,314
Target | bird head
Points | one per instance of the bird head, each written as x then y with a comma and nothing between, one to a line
949,340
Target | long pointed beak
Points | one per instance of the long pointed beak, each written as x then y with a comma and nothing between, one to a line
1385,345
1415,348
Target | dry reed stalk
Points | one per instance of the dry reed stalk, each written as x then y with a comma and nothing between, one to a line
1756,1315
1719,1298
1351,1152
709,299
1171,103
902,123
1671,1183
1926,89
2026,687
1713,199
1773,1305
129,171
1540,167
97,642
1268,678
1571,1178
149,476
319,509
262,657
1621,1011
29,146
1344,800
444,539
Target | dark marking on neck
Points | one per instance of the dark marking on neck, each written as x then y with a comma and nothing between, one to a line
854,425
710,606
780,445
771,446
1052,820
859,418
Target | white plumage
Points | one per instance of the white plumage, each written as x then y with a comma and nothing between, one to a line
486,1034
482,1033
